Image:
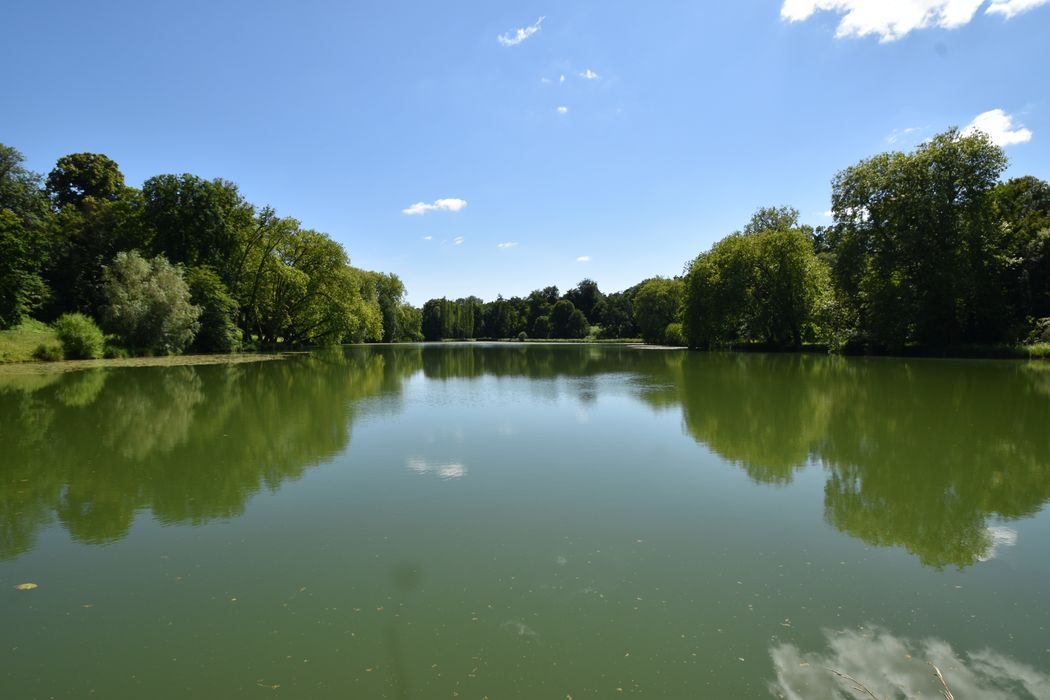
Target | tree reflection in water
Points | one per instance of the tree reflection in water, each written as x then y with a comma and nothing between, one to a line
918,453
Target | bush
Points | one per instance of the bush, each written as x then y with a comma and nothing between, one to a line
1040,331
81,339
673,335
523,336
114,352
48,353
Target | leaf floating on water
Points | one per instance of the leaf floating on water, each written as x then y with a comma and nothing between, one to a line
26,586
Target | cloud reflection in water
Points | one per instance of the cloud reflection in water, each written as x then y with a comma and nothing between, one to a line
444,470
892,666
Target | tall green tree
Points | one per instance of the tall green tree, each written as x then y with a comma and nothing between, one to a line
657,304
915,242
758,286
24,239
197,222
586,296
1022,210
80,176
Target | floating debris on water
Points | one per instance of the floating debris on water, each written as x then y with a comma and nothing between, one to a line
519,628
26,586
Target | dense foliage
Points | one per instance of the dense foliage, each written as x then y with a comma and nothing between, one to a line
928,249
183,263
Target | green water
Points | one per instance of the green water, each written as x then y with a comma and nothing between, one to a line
526,522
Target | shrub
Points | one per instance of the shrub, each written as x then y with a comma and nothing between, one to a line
523,336
1040,331
673,335
81,339
48,353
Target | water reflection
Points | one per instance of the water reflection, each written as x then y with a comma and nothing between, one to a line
191,444
919,454
891,666
932,456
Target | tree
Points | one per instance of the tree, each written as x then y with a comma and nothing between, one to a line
542,327
309,295
218,320
914,245
390,295
24,223
432,319
197,222
78,176
147,304
616,311
1022,210
409,328
567,321
761,286
586,296
657,303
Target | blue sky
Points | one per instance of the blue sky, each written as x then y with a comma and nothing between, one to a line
674,120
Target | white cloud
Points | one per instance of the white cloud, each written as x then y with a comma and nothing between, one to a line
508,244
545,81
561,79
519,35
428,238
563,110
1000,128
589,75
894,19
1011,8
829,214
450,204
584,259
458,240
897,134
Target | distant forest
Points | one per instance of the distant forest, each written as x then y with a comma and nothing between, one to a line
928,249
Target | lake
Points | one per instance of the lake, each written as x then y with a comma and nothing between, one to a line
526,521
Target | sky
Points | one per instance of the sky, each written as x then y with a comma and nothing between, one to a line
480,147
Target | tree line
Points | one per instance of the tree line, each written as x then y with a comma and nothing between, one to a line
928,248
183,263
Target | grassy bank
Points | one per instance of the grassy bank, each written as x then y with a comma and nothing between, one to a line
18,343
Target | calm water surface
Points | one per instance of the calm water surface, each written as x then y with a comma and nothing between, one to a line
526,522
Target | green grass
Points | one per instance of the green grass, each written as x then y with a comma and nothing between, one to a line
18,343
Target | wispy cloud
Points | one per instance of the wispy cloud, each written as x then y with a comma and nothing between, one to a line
897,134
584,259
428,238
561,79
589,75
508,244
450,204
1011,8
458,240
893,19
563,110
515,37
1000,128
